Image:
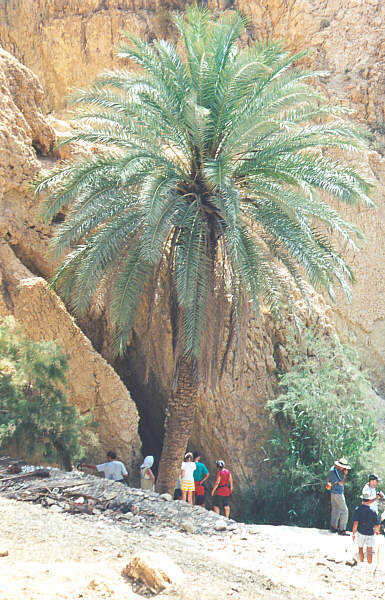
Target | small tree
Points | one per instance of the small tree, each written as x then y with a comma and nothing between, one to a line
320,416
34,413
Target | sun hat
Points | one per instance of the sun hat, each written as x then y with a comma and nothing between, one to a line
342,463
365,497
373,476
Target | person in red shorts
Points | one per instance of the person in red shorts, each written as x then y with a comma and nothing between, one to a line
222,489
201,474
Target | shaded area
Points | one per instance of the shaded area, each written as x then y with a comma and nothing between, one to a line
150,400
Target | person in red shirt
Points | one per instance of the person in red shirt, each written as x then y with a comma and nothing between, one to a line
222,489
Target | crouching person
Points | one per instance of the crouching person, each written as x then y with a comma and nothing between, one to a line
366,524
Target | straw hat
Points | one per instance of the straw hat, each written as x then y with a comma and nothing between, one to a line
342,463
365,497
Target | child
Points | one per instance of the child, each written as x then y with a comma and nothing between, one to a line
187,477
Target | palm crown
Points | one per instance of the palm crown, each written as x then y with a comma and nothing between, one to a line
212,170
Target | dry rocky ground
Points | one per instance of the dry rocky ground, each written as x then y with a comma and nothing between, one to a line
56,554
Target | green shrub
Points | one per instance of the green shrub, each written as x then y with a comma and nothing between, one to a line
34,414
321,415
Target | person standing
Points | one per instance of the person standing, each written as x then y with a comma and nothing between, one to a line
222,490
335,483
187,484
367,523
370,489
113,469
147,477
200,475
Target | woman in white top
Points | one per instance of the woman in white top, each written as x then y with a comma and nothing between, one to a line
187,477
147,477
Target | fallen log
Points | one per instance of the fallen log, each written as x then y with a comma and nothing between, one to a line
39,473
60,484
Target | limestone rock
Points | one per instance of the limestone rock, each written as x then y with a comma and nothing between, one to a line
220,525
166,497
233,424
156,571
93,384
22,132
188,527
346,37
77,39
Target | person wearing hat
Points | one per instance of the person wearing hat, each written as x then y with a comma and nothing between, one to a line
370,489
366,524
335,483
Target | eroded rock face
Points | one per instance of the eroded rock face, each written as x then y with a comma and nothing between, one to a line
346,39
93,384
23,130
68,42
77,40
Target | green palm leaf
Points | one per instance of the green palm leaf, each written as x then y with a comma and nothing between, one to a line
215,171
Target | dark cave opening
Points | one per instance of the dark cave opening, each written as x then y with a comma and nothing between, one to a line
150,400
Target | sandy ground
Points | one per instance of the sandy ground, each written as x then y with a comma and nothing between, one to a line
61,556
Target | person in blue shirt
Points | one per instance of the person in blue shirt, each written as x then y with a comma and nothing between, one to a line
335,483
366,524
201,473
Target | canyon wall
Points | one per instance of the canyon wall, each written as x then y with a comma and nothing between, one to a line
93,385
66,43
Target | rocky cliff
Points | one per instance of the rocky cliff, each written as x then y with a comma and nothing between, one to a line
24,262
66,43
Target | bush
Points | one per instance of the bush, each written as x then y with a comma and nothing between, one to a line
319,416
34,414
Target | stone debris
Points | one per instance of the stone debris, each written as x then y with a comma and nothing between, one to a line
155,571
100,499
166,497
188,527
3,552
220,525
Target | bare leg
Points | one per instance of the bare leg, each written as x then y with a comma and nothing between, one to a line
227,511
216,510
183,496
361,554
369,554
189,497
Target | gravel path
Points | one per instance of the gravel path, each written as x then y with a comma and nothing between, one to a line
56,555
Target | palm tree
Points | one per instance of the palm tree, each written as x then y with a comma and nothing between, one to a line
210,177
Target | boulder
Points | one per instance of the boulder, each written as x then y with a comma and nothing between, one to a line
220,525
166,497
188,527
155,571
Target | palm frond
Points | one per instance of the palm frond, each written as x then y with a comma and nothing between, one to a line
216,166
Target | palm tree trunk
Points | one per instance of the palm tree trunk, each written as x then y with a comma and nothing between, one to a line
178,427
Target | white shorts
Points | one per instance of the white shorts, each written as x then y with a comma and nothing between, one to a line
365,540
